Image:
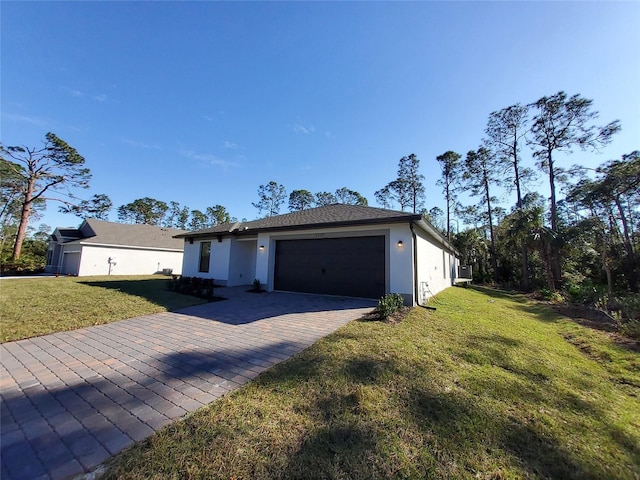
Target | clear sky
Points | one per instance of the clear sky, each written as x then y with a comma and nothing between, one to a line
201,102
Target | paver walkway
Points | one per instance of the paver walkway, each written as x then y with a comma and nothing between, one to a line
71,400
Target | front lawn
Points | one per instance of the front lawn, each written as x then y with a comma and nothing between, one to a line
38,306
489,386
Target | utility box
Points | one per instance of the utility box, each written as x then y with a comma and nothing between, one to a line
464,271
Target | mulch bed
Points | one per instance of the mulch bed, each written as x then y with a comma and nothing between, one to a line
394,318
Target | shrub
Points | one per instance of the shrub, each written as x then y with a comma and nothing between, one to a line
256,285
195,286
626,310
551,295
389,304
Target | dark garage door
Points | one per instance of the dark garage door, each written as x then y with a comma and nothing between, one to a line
353,267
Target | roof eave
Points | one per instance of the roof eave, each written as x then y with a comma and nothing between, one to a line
431,230
312,226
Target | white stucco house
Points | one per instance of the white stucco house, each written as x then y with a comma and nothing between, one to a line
98,247
337,249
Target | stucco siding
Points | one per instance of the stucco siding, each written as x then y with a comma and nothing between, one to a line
242,265
218,261
127,261
401,261
436,267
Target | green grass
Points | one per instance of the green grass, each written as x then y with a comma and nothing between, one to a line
38,306
489,386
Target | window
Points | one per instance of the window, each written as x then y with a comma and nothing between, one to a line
205,255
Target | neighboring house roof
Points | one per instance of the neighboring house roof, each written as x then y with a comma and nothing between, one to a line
100,232
328,216
70,232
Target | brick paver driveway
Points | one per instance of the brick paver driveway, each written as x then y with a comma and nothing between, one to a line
71,400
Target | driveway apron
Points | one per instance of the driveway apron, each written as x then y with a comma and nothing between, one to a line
71,400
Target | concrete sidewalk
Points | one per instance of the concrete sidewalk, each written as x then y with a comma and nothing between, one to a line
71,400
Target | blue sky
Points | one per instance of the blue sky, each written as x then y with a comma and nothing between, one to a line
201,102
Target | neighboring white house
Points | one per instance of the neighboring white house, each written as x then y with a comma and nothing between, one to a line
107,248
337,249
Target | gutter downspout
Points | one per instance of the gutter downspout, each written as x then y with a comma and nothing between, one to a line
415,268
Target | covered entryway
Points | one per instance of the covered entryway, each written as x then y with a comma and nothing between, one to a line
351,266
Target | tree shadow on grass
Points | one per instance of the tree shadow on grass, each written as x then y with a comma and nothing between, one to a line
467,429
539,310
455,431
345,444
153,290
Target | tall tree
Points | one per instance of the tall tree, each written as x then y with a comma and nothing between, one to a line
300,200
176,216
46,174
479,175
561,123
325,198
271,197
435,216
11,187
143,210
450,168
97,207
198,220
350,197
408,171
217,215
394,192
11,182
506,133
407,190
614,196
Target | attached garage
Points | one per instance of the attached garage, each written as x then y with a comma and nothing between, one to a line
338,249
348,266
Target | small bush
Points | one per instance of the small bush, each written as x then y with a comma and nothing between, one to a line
256,285
630,328
194,286
389,304
551,295
626,310
584,292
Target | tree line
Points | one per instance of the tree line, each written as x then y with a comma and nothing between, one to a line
583,240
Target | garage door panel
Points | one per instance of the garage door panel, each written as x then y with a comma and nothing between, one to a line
353,266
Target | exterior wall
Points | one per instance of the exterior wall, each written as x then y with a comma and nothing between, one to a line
436,267
242,265
398,260
265,260
401,262
218,261
128,261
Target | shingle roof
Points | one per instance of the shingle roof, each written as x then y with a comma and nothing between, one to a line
330,215
111,233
